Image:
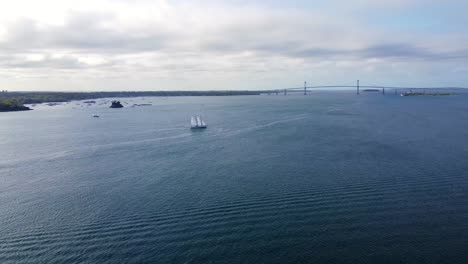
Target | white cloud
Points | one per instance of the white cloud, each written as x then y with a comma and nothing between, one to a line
162,45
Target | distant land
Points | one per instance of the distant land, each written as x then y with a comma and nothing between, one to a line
15,101
425,94
10,105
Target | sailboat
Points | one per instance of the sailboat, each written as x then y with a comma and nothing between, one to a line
197,122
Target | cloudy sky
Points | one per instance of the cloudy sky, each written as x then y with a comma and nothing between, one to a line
90,45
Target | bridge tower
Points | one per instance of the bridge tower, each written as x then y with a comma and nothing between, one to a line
357,87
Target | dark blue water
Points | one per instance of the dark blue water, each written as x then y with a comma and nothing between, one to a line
327,178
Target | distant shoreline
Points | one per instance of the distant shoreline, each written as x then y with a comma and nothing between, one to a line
4,108
22,98
425,94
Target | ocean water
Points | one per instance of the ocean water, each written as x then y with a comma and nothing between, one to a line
326,178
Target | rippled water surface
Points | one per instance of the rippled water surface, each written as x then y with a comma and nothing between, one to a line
327,178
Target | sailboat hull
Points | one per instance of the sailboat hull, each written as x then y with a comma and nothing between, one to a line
199,127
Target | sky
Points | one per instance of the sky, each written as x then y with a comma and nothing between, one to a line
106,45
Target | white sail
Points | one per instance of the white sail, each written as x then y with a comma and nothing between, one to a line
202,123
197,122
193,122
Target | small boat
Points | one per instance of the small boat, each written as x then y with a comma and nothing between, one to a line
96,115
197,122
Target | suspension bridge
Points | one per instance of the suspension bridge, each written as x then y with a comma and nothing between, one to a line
359,88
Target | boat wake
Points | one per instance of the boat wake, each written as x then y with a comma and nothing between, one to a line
266,125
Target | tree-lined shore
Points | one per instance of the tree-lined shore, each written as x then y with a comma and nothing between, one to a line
15,101
9,105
